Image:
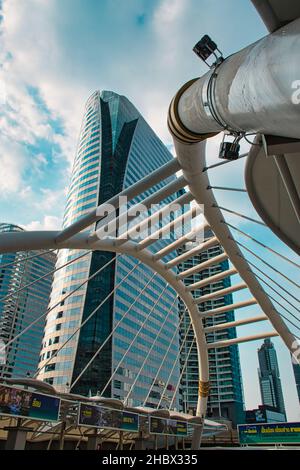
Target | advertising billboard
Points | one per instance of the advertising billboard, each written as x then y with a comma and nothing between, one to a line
25,404
100,417
168,427
269,433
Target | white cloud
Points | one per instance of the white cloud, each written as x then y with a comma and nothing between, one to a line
29,35
50,200
49,222
168,12
12,163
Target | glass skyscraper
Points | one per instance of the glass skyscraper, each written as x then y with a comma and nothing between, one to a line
269,377
116,148
296,369
20,305
226,392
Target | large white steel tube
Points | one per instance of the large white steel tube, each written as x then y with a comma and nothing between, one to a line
192,160
250,91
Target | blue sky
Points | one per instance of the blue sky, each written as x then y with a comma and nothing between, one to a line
55,53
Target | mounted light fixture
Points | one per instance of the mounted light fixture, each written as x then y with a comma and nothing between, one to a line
207,47
230,150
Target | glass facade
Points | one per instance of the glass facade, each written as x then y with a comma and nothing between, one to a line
18,308
226,392
296,369
269,377
116,148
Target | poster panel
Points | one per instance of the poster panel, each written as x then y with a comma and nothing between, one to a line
25,404
101,417
168,427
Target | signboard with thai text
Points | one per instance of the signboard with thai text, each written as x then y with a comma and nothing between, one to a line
269,433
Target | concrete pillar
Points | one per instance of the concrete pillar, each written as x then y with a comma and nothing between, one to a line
92,442
139,443
121,440
62,435
142,443
16,437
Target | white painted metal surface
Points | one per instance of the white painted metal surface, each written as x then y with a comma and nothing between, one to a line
250,91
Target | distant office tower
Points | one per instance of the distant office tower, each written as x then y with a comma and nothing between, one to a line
20,306
116,148
296,369
226,394
269,377
264,414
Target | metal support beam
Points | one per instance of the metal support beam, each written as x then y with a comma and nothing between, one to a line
156,216
206,264
212,279
111,227
227,96
227,308
167,228
194,251
233,324
141,186
178,243
220,293
243,339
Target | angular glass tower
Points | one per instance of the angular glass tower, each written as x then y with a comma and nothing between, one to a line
18,308
296,369
116,148
226,391
269,377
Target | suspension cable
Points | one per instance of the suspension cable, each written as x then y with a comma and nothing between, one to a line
243,155
174,365
165,356
11,294
276,283
181,374
280,304
110,335
282,315
54,306
149,352
223,188
133,340
267,264
281,296
240,215
23,260
88,318
262,244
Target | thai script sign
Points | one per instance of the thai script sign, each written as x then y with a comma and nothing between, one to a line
269,433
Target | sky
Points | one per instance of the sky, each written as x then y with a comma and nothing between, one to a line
55,53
